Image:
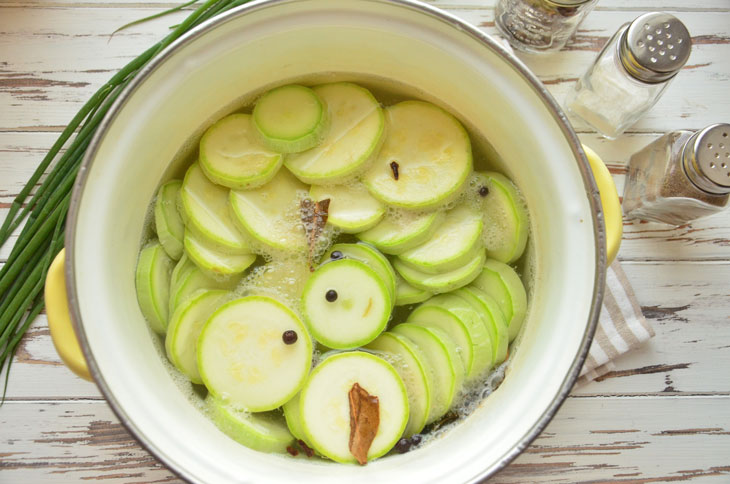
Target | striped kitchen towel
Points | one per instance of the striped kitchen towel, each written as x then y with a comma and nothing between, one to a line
621,326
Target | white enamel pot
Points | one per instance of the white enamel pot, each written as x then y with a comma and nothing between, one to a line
209,72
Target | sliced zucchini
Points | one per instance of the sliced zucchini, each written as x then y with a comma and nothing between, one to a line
293,417
232,155
505,217
352,209
444,282
436,317
168,222
480,336
290,119
454,243
209,259
429,149
502,283
205,209
448,374
265,432
346,304
325,407
181,341
401,230
353,138
245,358
271,213
492,316
188,278
154,268
406,294
368,255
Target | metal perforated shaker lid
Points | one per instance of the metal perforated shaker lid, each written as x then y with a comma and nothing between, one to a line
655,47
706,159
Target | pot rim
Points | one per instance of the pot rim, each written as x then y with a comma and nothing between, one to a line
414,5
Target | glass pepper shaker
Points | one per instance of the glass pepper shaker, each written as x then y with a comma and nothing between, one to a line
682,176
630,73
540,25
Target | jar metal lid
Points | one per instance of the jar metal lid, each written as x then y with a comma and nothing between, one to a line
706,159
654,47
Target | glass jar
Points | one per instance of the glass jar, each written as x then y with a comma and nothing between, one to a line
682,176
540,25
630,73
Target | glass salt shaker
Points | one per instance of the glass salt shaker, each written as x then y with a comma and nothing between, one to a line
630,73
682,176
540,25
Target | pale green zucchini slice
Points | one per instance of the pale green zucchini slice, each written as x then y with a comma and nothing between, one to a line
436,317
448,374
168,222
411,365
370,256
444,282
480,337
453,244
293,417
325,407
492,316
205,209
401,230
502,283
232,155
211,260
505,217
353,138
181,341
290,119
271,213
188,278
265,432
346,304
432,152
243,356
406,294
352,209
154,268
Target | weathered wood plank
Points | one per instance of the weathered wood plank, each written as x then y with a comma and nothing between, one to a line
594,440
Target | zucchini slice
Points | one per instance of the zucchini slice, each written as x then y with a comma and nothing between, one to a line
265,432
209,259
243,355
502,283
353,138
154,268
293,417
205,209
325,407
492,316
411,365
429,149
290,119
346,304
168,222
406,294
370,256
401,230
181,341
448,373
444,282
232,155
436,317
271,214
352,209
453,244
505,217
188,278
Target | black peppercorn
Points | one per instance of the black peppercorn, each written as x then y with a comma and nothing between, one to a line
416,439
289,337
336,255
403,446
331,295
483,191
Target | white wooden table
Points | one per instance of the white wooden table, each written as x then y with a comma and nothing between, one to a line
663,414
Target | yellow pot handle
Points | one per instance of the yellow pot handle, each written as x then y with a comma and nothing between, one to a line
59,319
610,201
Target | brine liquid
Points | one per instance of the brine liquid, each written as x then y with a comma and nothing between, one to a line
282,276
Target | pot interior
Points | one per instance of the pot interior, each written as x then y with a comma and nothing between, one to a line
217,70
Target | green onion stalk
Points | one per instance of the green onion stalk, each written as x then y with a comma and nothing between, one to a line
44,211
